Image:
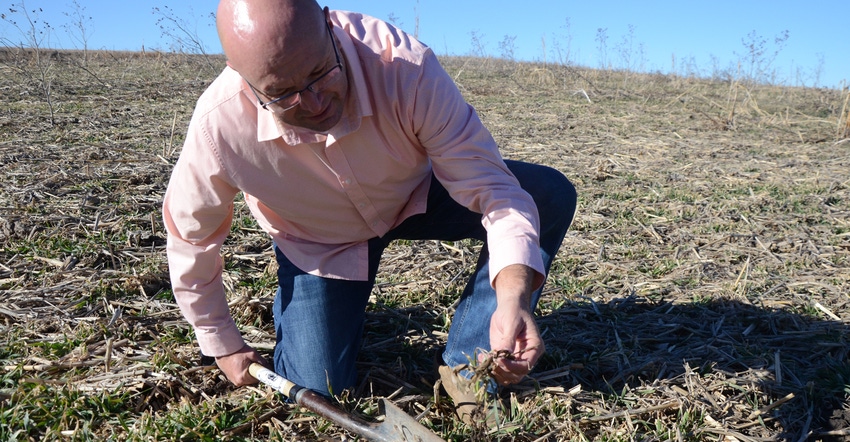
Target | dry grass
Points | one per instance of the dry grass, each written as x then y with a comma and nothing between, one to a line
702,293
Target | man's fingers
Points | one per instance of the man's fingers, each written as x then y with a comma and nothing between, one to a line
512,369
235,365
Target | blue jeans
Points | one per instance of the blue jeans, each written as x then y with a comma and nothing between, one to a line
319,321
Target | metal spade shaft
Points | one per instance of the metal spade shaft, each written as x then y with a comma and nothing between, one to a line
397,426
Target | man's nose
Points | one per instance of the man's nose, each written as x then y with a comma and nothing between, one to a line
311,101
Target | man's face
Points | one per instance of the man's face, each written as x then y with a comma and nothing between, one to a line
314,77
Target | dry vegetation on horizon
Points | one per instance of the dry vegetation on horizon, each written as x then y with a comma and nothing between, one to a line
701,294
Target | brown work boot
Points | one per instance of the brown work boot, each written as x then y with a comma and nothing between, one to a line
489,412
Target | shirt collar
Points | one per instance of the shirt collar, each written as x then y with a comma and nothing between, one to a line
356,107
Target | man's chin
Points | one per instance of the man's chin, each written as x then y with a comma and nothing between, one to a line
325,126
321,123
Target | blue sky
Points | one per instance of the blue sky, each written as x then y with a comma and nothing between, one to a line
652,35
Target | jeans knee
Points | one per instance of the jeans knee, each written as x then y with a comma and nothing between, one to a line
555,195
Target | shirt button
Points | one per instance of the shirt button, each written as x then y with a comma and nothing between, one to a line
361,205
346,181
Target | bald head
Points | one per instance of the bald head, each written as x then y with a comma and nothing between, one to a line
280,47
260,35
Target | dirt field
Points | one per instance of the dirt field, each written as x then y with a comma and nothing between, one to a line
701,294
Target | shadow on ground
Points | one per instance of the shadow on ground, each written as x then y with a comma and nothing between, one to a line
750,372
760,372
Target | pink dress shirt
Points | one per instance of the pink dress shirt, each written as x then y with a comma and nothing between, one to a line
321,197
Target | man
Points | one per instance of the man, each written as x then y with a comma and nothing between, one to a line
343,133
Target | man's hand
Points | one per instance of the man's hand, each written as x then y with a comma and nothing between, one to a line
235,365
512,326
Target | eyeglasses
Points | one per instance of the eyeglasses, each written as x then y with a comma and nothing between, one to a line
286,102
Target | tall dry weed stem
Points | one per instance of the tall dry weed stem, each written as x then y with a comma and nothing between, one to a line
844,118
733,103
38,60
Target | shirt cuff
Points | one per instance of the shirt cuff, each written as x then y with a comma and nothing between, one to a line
219,341
516,251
